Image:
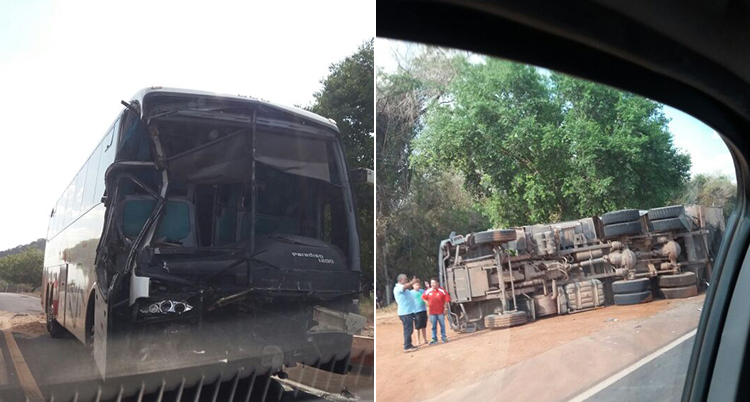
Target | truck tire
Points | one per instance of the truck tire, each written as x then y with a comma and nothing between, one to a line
625,228
627,299
507,320
631,286
623,215
678,293
675,281
494,236
671,211
664,225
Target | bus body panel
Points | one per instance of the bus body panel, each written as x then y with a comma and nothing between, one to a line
74,271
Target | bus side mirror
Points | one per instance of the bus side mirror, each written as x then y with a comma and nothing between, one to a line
362,175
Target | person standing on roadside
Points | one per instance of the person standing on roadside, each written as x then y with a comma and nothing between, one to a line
437,299
407,307
420,316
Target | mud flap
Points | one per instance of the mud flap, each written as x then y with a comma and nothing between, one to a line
101,328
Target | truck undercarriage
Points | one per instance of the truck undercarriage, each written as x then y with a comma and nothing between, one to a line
502,278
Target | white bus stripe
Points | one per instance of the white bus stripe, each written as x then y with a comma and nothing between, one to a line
635,366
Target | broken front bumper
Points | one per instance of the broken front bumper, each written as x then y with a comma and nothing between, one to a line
332,321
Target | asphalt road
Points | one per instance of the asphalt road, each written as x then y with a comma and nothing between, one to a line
20,303
642,359
661,379
58,366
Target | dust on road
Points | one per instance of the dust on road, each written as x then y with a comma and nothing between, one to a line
27,324
424,374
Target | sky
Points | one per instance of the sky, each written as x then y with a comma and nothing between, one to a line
707,149
65,66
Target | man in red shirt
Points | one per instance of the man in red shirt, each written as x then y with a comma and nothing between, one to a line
437,300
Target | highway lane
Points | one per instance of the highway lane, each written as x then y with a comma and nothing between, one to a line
20,303
58,365
661,379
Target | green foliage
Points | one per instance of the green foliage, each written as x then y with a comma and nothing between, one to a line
435,205
465,143
538,147
347,97
25,267
408,225
38,243
712,190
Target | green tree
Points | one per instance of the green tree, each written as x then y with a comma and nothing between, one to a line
539,147
406,243
25,267
712,190
435,205
348,98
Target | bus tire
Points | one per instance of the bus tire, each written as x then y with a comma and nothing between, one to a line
679,293
623,215
507,320
627,299
631,286
494,236
53,327
675,281
671,211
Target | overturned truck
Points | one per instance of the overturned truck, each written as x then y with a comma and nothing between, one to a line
208,228
502,278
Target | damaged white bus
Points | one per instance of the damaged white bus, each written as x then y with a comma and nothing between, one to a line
206,223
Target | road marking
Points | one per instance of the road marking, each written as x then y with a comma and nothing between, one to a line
29,385
633,367
3,371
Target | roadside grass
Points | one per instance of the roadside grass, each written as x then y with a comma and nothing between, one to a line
367,307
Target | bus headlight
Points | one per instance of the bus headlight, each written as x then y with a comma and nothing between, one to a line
167,307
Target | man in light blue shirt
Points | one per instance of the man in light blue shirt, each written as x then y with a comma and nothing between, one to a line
407,307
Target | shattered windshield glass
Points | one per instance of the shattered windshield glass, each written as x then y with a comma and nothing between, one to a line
219,219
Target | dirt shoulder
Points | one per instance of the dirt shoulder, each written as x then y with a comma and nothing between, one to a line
468,357
27,324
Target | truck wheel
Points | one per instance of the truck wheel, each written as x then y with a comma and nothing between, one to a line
53,327
625,228
623,215
679,293
631,286
672,211
499,321
679,280
494,236
627,299
664,225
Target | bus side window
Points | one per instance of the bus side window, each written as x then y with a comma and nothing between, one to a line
79,183
52,229
58,217
67,216
92,172
107,153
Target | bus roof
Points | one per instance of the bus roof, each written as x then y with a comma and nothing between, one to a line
146,92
